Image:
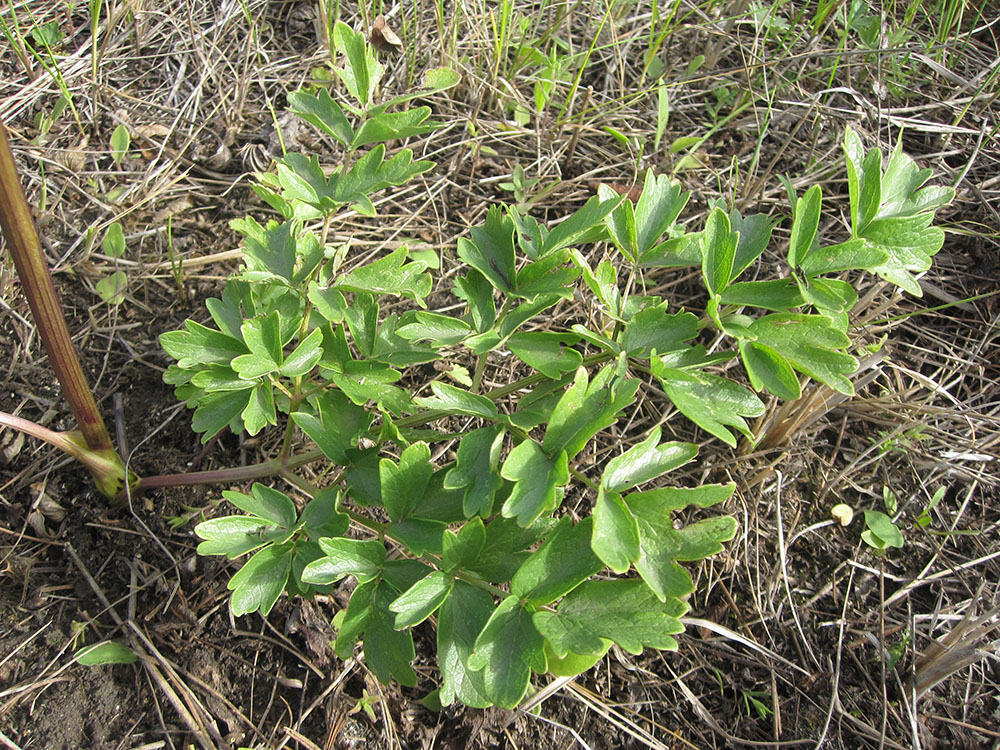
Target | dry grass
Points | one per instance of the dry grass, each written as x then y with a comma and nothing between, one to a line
803,637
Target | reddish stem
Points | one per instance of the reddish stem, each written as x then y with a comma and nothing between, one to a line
22,239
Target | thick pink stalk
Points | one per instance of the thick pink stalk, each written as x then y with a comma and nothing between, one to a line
22,239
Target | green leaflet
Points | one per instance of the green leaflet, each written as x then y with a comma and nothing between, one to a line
106,652
780,295
548,352
388,126
337,426
259,411
661,546
373,172
881,532
715,404
548,276
718,251
646,461
403,483
452,400
804,225
231,536
626,612
198,345
621,227
344,557
562,563
538,480
263,337
754,236
388,652
579,226
810,344
615,538
603,283
462,549
390,275
461,619
475,470
491,250
271,250
660,203
768,369
506,547
323,112
265,502
438,330
506,651
586,408
654,329
321,518
259,583
216,411
422,599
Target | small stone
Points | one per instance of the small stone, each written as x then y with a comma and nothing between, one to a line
842,514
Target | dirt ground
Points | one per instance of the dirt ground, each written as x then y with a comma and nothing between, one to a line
804,636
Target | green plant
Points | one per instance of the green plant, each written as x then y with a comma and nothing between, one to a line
482,507
475,531
881,531
111,288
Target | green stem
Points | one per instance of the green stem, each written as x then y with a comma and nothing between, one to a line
477,377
